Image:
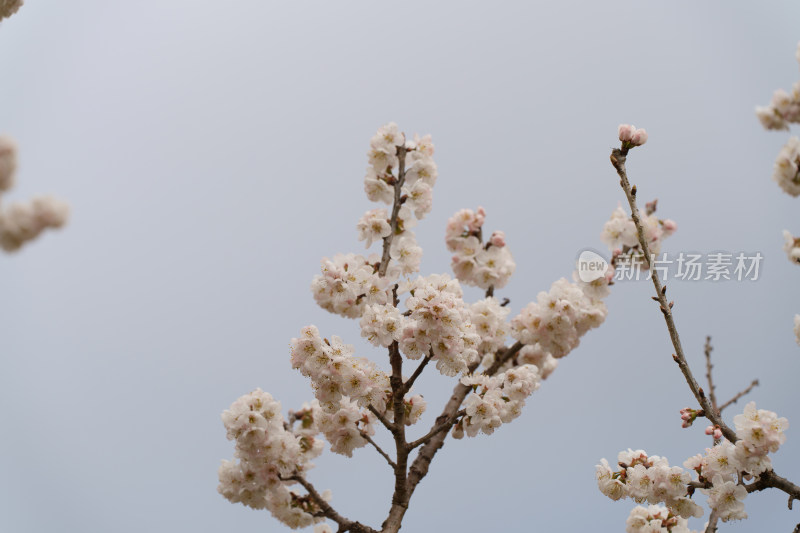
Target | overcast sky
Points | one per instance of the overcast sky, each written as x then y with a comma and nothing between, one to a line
214,152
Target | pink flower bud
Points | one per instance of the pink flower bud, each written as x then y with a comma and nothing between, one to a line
639,137
669,226
709,430
498,239
717,433
626,132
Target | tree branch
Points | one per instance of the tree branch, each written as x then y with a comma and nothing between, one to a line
739,395
500,361
388,425
765,479
401,178
421,464
379,449
407,385
618,158
712,522
436,429
345,524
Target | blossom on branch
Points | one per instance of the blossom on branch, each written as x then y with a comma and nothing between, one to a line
475,263
412,317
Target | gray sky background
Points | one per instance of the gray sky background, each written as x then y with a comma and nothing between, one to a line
214,153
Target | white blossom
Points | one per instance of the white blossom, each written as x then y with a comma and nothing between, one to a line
335,373
473,263
725,497
406,253
498,399
655,519
439,324
373,226
786,171
558,319
382,324
414,407
489,320
760,431
348,282
267,451
620,232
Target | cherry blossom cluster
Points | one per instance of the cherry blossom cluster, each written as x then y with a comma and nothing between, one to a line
9,7
335,373
535,355
647,478
348,283
784,109
267,454
394,160
439,324
655,519
791,245
488,317
475,263
786,172
620,234
21,222
345,429
415,318
559,318
496,400
631,135
642,478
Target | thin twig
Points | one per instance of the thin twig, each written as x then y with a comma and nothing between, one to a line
618,157
502,359
407,385
446,425
739,395
388,425
711,393
380,450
